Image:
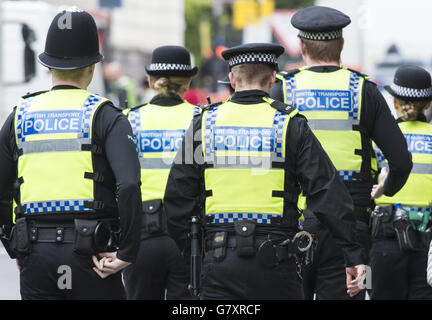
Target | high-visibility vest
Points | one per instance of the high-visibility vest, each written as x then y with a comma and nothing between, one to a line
244,152
332,103
416,194
158,134
53,132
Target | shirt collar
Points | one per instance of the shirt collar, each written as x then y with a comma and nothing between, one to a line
170,100
248,96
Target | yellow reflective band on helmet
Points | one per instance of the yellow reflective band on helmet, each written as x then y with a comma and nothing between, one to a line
417,191
158,133
250,139
331,101
53,132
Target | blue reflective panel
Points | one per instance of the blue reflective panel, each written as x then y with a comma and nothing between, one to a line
161,140
323,100
419,143
43,122
244,139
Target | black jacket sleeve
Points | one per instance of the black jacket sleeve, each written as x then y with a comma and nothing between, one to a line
115,130
383,129
183,191
7,170
327,196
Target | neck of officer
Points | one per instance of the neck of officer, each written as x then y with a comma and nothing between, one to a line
315,63
82,84
252,86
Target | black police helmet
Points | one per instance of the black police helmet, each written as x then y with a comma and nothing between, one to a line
171,61
72,42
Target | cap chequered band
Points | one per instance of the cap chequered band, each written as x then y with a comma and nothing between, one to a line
330,35
169,66
269,58
411,92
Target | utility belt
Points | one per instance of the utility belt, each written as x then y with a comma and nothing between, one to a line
409,228
88,236
270,251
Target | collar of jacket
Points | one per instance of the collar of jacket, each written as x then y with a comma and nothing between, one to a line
324,68
64,86
421,117
171,100
248,96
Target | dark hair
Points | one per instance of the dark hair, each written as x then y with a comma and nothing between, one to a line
327,51
411,109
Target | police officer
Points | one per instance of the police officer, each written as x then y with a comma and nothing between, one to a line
239,170
400,247
68,158
345,111
159,128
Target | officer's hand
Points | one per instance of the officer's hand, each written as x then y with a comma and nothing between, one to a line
354,279
377,189
108,264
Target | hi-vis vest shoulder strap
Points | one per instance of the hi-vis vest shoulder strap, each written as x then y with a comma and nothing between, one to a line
158,133
244,151
416,194
53,133
332,103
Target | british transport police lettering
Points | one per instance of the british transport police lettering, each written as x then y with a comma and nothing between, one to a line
43,122
161,140
244,139
322,100
418,143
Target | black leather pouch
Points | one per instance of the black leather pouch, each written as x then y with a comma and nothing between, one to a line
84,237
245,234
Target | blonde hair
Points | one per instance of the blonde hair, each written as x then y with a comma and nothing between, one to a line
258,73
69,75
326,51
166,85
410,110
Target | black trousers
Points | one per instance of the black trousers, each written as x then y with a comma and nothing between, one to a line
326,277
54,272
396,274
237,278
159,266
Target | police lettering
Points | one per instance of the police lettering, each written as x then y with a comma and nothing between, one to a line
243,139
328,100
419,143
161,140
52,122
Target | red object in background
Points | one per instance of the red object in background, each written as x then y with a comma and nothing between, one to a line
197,96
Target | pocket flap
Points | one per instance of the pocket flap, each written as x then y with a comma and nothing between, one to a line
152,206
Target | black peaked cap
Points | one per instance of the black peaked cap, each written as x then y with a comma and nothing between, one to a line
266,53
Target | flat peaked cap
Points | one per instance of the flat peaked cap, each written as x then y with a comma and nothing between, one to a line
411,83
320,23
266,53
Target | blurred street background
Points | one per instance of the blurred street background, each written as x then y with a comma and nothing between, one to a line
382,36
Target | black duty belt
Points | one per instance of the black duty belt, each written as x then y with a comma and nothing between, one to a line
51,233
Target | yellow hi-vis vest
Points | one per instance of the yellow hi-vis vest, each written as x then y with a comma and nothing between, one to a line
158,134
332,103
416,194
53,133
244,152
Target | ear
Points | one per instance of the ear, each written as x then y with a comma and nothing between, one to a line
427,106
273,78
91,68
151,82
302,47
232,80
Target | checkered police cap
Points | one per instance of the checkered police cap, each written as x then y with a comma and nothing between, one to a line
411,92
265,53
321,36
169,66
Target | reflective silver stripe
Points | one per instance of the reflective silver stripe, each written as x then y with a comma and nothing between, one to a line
242,162
422,168
155,163
60,145
343,125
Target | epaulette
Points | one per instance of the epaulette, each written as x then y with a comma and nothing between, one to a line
138,106
209,106
287,73
359,73
282,107
28,95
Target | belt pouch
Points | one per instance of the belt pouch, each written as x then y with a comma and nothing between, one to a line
219,245
20,240
153,220
245,232
84,232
